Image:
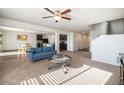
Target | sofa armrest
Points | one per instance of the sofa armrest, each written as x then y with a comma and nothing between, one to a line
31,51
30,55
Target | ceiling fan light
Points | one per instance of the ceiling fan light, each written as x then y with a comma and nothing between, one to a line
58,18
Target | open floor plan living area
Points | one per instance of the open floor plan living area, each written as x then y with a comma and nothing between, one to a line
61,46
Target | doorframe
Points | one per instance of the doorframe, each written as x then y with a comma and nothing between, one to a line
57,40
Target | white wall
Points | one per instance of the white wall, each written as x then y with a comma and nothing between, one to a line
10,41
76,41
57,42
106,48
51,38
71,41
80,42
97,30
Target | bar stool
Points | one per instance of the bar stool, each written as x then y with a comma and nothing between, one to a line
121,67
122,70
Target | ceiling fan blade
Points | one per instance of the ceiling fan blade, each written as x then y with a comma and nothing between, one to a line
67,18
66,11
48,17
49,10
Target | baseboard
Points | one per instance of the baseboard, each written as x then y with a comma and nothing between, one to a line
10,50
96,60
83,49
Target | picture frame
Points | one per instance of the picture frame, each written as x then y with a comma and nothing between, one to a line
22,37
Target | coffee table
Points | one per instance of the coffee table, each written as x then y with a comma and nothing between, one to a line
60,60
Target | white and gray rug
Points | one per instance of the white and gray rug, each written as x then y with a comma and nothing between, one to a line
32,81
84,75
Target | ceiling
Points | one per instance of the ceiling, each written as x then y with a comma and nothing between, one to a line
81,17
6,28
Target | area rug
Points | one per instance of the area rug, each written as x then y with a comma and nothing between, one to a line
84,75
32,81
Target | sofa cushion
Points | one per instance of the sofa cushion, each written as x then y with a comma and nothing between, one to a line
39,55
37,50
47,49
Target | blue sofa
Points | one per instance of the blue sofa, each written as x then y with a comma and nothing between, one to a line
41,53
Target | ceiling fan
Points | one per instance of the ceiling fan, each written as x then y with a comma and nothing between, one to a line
57,15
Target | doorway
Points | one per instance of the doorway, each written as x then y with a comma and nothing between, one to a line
63,42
